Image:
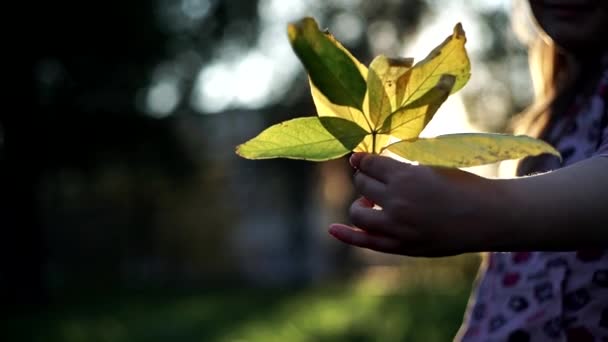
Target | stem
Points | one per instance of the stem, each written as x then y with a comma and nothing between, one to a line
373,142
368,123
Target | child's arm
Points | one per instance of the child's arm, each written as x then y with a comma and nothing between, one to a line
432,212
563,209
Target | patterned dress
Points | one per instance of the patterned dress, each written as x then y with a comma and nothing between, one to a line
549,296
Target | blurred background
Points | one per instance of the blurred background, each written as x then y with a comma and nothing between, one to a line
126,215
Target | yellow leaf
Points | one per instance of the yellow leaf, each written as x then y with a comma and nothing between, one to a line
368,145
376,103
386,82
326,108
450,57
469,149
407,122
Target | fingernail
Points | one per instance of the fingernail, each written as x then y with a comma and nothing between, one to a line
355,159
333,230
367,202
350,161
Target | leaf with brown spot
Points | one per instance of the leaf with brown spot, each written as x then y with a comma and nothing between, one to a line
469,149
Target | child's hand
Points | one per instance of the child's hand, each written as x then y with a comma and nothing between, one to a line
425,211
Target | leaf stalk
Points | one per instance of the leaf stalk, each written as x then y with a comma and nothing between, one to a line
374,142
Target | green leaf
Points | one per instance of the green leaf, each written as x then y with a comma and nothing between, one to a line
333,70
450,57
470,149
309,138
362,68
409,121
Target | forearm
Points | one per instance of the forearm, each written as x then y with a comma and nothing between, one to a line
565,209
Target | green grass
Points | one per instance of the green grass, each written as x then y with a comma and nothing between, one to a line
422,302
317,314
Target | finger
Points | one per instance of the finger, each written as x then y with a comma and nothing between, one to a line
377,221
355,159
360,238
363,216
375,166
369,187
366,202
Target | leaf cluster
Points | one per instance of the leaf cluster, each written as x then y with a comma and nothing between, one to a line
383,107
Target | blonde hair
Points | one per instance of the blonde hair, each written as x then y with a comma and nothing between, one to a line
554,74
548,71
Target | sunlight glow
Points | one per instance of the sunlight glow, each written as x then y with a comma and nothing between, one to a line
441,25
212,91
256,77
281,10
252,89
347,27
382,36
195,9
162,98
452,117
249,82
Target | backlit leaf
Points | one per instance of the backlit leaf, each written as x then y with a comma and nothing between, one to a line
310,138
365,110
469,149
376,100
362,68
370,146
397,78
326,108
409,121
450,57
330,67
386,82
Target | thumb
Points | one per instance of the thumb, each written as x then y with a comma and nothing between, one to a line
375,166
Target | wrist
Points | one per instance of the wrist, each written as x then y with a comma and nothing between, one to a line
496,217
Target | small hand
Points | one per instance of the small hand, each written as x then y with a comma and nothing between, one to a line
425,211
